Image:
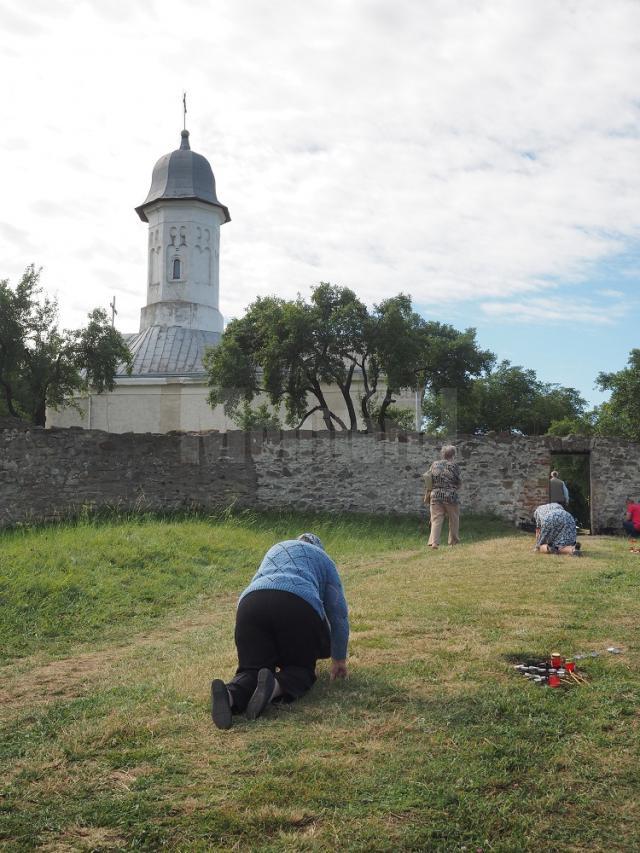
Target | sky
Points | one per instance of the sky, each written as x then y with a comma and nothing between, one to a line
480,155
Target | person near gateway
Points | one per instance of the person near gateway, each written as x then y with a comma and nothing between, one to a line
558,491
292,614
443,482
555,530
631,523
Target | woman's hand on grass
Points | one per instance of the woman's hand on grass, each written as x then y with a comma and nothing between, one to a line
338,669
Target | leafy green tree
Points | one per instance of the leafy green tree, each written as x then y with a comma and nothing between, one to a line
511,399
277,350
292,350
452,363
580,425
620,415
395,417
261,417
42,366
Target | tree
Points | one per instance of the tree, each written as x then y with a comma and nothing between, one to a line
259,418
291,351
620,415
511,399
42,366
584,424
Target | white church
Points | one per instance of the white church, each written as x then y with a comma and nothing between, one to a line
167,389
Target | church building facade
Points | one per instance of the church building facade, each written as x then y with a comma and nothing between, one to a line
167,388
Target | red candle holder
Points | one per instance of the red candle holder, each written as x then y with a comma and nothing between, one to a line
570,666
556,659
554,680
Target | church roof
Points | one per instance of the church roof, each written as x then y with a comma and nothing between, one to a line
182,174
169,351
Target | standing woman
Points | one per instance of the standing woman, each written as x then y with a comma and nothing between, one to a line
444,500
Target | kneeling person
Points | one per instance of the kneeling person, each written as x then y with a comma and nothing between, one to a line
292,614
555,530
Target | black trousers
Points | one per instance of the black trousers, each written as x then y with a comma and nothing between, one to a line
282,632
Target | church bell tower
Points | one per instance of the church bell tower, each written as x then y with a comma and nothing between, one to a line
184,217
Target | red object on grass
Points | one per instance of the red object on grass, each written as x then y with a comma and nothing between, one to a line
556,660
554,680
570,666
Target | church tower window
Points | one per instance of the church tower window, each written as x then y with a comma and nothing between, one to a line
176,269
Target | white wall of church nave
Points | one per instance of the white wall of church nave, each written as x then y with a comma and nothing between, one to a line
162,406
158,406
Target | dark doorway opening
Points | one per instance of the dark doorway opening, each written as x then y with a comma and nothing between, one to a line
575,470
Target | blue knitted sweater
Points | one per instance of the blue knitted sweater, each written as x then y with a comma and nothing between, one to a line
306,571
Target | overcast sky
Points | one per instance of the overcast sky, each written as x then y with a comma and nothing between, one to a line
481,155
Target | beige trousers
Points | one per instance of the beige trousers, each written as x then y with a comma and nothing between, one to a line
438,512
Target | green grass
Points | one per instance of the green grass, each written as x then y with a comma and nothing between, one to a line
115,628
61,585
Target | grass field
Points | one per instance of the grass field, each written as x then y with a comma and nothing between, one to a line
112,631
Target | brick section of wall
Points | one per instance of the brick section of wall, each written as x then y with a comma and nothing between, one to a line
49,474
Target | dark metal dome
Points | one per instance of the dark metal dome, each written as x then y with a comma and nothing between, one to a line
182,174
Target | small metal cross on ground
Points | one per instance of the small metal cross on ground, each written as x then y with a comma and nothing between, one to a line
112,305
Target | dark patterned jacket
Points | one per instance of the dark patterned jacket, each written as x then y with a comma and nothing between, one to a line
446,481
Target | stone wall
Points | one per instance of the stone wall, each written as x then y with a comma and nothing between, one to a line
48,474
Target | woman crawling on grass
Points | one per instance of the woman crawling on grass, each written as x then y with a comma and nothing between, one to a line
292,614
555,531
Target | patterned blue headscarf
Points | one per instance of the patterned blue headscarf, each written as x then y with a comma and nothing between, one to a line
312,539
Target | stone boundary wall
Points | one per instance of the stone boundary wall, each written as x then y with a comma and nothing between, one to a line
50,474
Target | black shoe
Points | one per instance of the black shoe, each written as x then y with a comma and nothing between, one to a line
220,704
262,694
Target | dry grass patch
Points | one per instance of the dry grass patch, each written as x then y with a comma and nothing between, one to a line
84,838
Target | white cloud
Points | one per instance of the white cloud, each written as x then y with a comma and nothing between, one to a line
610,293
479,149
546,310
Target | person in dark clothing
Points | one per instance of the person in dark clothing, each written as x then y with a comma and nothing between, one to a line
292,614
558,492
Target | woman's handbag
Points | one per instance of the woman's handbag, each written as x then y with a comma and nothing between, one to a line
428,485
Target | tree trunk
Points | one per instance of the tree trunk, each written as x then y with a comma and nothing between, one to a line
388,399
326,413
369,391
307,415
345,388
39,413
8,397
338,420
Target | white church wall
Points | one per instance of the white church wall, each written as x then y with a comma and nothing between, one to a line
164,405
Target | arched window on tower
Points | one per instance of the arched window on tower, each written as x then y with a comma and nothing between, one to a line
176,269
